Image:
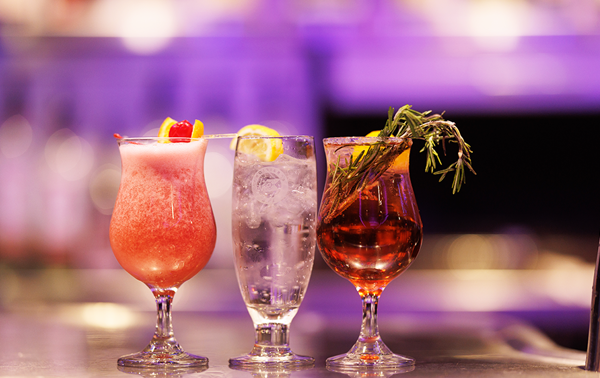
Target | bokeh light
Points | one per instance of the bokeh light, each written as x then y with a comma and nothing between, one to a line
104,186
107,315
69,155
16,135
145,27
488,251
218,172
498,24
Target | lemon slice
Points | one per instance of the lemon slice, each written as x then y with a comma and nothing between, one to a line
165,127
172,128
198,130
357,150
264,149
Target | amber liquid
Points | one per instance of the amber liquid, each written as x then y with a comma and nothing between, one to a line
369,252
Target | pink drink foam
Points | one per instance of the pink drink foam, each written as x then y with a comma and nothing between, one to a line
162,229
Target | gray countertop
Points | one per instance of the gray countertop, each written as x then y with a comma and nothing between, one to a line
64,341
77,323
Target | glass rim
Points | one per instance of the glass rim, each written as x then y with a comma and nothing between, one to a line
158,139
275,137
364,140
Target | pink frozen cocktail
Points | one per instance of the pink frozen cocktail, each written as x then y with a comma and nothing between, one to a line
162,231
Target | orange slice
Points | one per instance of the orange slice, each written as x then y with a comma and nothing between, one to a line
357,150
401,161
172,128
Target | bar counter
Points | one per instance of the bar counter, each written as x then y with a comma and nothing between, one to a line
76,323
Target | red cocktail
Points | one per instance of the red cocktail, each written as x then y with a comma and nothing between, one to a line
369,232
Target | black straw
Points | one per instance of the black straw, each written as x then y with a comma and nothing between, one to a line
593,350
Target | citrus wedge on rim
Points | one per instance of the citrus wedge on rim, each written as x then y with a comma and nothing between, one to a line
400,161
265,149
172,128
357,150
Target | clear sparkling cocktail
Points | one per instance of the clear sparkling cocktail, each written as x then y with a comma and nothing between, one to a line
274,220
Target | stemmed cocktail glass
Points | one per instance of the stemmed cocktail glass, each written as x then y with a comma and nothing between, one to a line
162,231
274,229
369,232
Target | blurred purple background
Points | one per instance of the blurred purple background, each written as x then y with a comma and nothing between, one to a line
521,78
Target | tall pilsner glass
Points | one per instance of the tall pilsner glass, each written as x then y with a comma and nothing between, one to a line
162,231
369,232
274,230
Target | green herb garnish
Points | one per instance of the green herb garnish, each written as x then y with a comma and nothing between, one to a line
361,171
433,129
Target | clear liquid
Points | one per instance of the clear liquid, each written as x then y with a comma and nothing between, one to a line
274,236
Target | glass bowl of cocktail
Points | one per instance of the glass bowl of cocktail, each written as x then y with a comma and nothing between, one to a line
369,228
274,213
162,229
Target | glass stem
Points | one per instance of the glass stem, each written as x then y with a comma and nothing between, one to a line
271,340
272,335
369,331
164,327
369,343
163,338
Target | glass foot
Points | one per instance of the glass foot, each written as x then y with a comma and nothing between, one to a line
271,348
162,355
167,372
369,353
270,371
370,371
352,361
271,356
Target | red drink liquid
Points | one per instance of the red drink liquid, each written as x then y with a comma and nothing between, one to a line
162,230
369,256
377,235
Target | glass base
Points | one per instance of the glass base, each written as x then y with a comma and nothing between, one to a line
271,371
167,372
350,362
370,371
162,355
271,348
370,354
271,356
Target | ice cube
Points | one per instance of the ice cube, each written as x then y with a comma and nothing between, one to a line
253,217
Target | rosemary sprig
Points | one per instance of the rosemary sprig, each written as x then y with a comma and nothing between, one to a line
350,179
434,130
